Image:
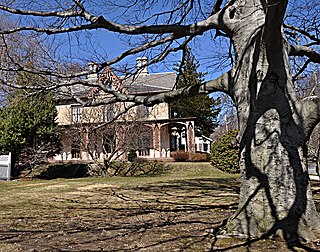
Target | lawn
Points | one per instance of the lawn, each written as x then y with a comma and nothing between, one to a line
180,210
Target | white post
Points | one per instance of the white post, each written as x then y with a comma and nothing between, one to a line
5,166
9,167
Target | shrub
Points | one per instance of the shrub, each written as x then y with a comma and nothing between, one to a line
132,155
225,153
180,156
197,157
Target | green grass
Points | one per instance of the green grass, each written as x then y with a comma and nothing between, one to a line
174,211
198,170
177,170
151,213
21,194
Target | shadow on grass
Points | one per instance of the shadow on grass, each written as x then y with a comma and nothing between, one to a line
64,171
150,217
176,215
52,171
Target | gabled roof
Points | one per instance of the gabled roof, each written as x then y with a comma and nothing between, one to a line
137,84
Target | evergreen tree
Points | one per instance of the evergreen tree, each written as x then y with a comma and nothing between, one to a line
203,107
27,125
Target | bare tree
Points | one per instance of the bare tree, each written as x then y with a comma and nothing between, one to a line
274,123
103,135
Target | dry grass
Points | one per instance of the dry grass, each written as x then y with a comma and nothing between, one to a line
178,211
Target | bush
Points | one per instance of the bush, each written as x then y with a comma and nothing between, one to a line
197,157
132,155
180,156
225,153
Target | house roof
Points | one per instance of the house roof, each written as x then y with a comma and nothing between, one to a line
137,84
146,83
77,90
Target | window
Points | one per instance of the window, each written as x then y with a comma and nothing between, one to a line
109,142
109,113
76,114
142,111
144,143
75,150
144,153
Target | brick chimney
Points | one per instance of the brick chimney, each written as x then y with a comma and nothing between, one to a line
92,67
142,65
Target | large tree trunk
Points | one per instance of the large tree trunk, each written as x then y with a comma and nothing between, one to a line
275,197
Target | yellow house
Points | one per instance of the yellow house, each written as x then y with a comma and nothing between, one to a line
112,130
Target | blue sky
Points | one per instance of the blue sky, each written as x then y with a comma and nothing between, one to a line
108,45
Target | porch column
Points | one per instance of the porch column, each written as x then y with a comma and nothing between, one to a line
83,149
120,143
156,141
191,136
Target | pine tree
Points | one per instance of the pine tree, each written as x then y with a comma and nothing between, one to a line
203,107
27,124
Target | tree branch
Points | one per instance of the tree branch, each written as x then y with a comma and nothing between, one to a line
224,83
301,70
310,112
100,22
273,28
298,50
147,46
117,116
303,32
68,13
216,7
275,13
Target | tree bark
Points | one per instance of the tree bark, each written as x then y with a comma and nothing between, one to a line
275,197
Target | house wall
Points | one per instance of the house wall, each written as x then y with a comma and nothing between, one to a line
94,115
63,114
156,112
203,144
97,114
160,111
89,115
